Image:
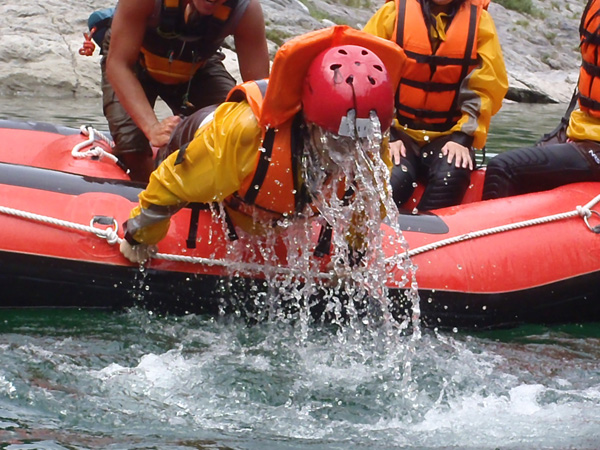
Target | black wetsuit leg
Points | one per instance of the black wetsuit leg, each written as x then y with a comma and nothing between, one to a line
405,174
446,184
541,168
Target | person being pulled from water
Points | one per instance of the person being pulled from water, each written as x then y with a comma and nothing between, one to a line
282,148
169,48
452,84
572,152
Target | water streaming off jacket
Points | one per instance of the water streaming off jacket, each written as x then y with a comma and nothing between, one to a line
132,380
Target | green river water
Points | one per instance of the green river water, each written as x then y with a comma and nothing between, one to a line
132,380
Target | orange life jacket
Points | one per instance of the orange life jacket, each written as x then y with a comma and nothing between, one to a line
589,73
274,189
427,96
172,50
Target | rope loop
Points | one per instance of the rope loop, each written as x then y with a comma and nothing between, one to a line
584,212
110,233
595,229
96,152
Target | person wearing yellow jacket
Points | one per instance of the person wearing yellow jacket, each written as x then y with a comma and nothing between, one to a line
453,82
566,157
276,144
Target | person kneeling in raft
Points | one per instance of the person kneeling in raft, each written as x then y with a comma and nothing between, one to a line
327,89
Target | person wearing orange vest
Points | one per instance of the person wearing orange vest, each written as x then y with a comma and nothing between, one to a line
453,82
570,156
170,49
276,144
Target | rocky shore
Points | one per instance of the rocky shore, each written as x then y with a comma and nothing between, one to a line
40,41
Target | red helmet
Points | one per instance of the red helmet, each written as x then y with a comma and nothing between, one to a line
343,78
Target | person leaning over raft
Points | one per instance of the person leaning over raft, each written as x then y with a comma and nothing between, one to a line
257,154
567,160
169,48
445,100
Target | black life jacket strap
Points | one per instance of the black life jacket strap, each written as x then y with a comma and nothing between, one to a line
400,23
589,103
560,132
436,60
193,230
591,69
424,113
323,246
262,167
431,86
231,233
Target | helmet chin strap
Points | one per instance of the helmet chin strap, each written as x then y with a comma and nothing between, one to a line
354,128
350,126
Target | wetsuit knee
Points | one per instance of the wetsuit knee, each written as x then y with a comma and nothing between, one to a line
446,186
498,175
534,169
403,180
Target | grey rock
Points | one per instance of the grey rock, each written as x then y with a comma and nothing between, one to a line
39,43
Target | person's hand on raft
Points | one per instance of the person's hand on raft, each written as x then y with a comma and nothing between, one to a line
139,253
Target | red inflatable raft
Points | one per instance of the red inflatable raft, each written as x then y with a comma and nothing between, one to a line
527,259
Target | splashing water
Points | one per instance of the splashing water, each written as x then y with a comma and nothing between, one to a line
347,182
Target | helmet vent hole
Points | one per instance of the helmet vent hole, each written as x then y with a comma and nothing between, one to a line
371,80
364,52
350,79
378,67
342,51
335,67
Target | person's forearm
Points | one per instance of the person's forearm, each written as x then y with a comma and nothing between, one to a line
131,95
251,44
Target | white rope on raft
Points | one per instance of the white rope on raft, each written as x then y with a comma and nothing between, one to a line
94,152
583,211
111,236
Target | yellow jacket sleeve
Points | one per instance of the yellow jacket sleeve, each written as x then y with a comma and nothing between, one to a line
215,163
485,87
382,23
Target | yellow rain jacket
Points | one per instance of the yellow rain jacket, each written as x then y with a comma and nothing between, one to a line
216,162
225,152
481,90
